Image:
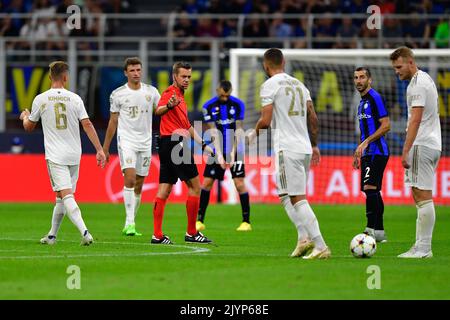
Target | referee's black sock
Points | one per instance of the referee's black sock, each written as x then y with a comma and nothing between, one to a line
371,207
245,204
204,200
379,213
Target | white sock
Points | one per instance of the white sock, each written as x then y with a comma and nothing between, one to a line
137,203
294,216
310,222
129,202
74,213
58,215
426,218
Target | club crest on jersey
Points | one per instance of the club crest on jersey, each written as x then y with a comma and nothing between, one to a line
232,111
366,105
148,98
128,160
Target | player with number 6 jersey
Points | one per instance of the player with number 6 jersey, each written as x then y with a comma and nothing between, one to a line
61,113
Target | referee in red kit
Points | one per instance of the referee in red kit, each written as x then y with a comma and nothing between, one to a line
176,158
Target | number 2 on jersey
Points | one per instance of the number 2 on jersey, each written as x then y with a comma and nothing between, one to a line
60,116
292,112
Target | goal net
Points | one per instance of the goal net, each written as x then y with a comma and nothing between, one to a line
328,74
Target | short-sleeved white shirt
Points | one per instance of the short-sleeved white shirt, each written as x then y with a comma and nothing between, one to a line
422,92
289,98
60,112
135,108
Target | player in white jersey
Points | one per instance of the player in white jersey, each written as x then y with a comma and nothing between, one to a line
132,108
288,108
60,112
422,147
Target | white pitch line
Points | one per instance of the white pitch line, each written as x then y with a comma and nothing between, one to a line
194,250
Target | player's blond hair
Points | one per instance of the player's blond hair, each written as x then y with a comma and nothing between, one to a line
58,69
403,52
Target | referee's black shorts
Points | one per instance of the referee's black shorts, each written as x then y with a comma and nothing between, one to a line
372,170
179,165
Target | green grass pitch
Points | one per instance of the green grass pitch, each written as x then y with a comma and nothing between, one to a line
247,266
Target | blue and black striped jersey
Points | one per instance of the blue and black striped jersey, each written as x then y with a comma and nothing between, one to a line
370,110
224,115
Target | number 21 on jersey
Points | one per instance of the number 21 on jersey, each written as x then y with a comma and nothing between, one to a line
291,92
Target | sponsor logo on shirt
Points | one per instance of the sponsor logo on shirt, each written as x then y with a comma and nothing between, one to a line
364,116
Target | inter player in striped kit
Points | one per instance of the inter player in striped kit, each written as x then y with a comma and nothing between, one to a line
175,155
224,113
61,113
372,154
422,147
132,108
288,102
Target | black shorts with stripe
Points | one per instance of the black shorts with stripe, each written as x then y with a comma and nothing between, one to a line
215,171
372,170
176,160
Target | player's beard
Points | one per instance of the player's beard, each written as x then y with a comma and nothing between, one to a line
363,88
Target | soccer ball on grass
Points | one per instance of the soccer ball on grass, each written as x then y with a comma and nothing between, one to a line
363,246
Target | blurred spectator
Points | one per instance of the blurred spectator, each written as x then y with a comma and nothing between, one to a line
184,29
417,31
369,37
323,29
215,7
239,6
190,6
16,6
292,6
255,27
261,6
355,6
278,28
386,7
392,29
347,34
229,27
206,28
300,32
7,29
17,145
442,34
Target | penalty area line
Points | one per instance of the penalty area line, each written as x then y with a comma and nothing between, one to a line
194,250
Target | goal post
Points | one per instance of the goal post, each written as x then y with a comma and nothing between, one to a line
328,74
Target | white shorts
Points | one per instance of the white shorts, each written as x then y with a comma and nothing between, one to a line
292,172
63,177
139,160
423,162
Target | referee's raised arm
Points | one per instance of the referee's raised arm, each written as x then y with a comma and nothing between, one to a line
172,103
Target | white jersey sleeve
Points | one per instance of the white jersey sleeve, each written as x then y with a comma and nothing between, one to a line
35,114
422,92
267,94
417,96
82,113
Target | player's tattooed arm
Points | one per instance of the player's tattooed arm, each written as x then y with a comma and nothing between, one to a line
313,128
313,123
